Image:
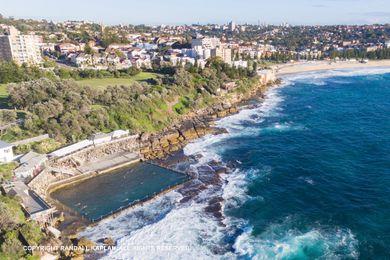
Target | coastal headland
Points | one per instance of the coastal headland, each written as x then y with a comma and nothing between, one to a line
160,146
103,158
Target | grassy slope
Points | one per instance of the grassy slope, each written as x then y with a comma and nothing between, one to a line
3,95
104,82
3,90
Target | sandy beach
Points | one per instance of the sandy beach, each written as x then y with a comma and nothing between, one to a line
310,66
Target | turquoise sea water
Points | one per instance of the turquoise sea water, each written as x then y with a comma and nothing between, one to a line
106,193
319,169
310,180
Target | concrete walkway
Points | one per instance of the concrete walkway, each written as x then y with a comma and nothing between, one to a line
108,162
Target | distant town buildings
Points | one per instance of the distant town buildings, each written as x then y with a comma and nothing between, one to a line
81,44
206,47
19,48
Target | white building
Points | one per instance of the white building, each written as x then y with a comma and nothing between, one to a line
224,53
100,138
240,64
387,43
33,205
206,43
266,76
30,164
6,153
232,26
19,48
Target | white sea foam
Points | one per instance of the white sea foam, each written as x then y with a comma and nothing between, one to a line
269,107
184,233
283,127
165,228
133,219
281,241
143,232
318,77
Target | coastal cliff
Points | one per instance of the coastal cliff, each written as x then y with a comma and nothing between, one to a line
197,124
153,146
144,146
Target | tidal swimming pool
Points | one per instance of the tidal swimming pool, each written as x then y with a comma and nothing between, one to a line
105,194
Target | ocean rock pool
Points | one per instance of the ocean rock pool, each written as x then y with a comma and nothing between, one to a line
105,194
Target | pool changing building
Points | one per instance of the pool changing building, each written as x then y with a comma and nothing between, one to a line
6,153
33,205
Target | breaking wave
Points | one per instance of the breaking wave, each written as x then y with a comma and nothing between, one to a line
166,228
280,241
319,78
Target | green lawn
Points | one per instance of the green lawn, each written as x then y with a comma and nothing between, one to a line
3,90
105,82
3,96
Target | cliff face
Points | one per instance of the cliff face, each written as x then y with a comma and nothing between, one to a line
157,146
195,124
147,146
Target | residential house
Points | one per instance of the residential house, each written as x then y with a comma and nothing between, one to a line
113,60
65,48
240,64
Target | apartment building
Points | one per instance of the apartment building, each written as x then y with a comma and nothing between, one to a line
19,48
222,52
205,43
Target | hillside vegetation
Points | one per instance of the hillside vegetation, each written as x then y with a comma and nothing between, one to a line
72,112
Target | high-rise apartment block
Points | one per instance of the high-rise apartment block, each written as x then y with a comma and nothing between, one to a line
19,48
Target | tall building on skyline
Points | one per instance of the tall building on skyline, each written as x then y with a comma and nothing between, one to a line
232,26
19,48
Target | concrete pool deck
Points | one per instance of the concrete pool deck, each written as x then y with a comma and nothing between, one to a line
110,162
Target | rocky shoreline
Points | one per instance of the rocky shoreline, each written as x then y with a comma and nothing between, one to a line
196,125
207,177
165,149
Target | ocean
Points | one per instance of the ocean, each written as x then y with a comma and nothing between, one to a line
309,179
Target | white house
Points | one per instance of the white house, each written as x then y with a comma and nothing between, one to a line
6,153
30,164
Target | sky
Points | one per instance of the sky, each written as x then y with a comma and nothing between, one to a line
311,12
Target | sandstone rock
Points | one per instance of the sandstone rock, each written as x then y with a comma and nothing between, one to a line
108,241
85,242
